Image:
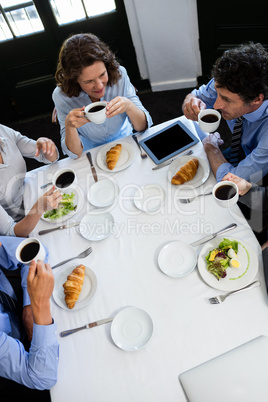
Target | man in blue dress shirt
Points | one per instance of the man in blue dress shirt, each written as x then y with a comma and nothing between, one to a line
239,88
36,369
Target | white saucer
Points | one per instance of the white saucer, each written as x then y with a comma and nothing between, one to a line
103,193
96,227
149,198
177,259
131,329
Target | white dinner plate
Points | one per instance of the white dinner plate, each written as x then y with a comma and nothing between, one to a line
96,226
87,293
126,157
131,329
149,198
103,193
78,201
177,259
236,278
200,177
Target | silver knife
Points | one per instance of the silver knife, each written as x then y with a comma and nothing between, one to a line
213,235
58,228
92,166
163,164
91,325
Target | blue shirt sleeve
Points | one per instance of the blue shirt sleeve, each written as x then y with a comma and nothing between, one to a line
8,261
36,369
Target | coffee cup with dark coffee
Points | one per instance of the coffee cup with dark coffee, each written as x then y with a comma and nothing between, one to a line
96,112
209,120
30,249
63,178
225,193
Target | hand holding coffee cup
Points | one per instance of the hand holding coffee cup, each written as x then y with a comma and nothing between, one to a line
225,193
96,112
30,249
209,120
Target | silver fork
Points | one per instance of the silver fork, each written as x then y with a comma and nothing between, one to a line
143,154
219,299
188,200
81,255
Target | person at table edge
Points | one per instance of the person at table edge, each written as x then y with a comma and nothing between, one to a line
36,369
13,147
253,196
88,72
239,87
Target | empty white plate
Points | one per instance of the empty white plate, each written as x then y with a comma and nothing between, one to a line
131,329
103,193
177,259
149,198
96,226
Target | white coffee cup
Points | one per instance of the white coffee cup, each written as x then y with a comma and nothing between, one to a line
64,178
30,249
99,116
222,193
209,127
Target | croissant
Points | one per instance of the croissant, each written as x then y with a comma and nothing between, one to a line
187,172
73,285
112,156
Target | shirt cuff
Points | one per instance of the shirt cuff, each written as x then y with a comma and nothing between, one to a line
44,335
223,170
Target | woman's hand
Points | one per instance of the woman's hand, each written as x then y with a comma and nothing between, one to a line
76,118
49,200
117,106
48,147
243,185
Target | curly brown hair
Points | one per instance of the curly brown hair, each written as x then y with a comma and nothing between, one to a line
80,51
243,70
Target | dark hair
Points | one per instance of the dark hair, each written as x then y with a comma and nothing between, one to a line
243,71
80,51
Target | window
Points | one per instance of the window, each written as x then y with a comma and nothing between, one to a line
18,18
67,11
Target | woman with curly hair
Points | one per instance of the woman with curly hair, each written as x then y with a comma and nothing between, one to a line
88,72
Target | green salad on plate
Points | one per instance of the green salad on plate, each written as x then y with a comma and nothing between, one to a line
218,259
65,207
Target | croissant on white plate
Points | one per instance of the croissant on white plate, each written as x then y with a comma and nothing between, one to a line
112,156
186,173
73,285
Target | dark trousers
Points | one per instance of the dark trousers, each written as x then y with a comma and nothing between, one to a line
10,391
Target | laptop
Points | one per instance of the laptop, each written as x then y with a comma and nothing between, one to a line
240,375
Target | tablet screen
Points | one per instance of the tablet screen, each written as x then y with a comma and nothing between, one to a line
168,142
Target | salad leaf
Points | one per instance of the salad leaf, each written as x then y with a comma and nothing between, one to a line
65,206
226,244
218,260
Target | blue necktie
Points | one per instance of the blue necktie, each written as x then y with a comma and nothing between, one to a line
236,142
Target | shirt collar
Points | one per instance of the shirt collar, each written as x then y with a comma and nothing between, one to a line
257,114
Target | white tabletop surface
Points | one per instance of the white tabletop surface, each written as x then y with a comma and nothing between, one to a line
187,330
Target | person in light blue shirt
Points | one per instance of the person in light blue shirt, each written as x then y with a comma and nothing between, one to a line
36,369
88,72
239,87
